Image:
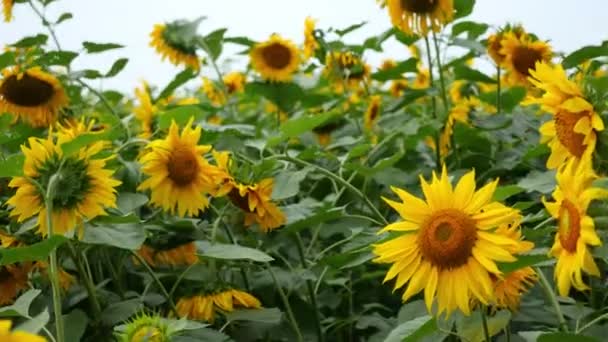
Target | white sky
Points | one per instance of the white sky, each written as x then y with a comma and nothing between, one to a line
567,24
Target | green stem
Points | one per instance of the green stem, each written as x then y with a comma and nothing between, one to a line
563,326
338,179
179,280
241,268
53,264
498,90
292,319
484,323
88,282
310,288
433,103
157,281
444,93
588,325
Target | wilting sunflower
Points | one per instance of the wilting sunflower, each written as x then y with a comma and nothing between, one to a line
7,9
418,16
216,96
13,280
182,255
447,245
145,111
372,114
522,53
575,229
494,44
146,328
203,307
82,190
178,175
179,52
572,131
235,82
310,42
34,96
276,59
17,336
255,200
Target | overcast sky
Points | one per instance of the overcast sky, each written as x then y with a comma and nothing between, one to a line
567,24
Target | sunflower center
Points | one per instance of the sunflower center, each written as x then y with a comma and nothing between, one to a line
564,127
239,201
182,166
26,91
73,183
373,113
5,274
525,59
276,55
419,6
447,238
569,225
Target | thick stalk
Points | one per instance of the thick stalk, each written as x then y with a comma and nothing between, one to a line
292,319
498,90
310,288
88,282
563,326
484,323
433,104
444,93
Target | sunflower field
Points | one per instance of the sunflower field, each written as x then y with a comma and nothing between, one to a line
309,195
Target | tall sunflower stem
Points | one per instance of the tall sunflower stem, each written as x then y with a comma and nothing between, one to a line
433,104
292,318
157,281
88,282
444,93
310,288
53,264
563,326
484,323
498,90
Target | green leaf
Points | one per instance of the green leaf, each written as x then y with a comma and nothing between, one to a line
565,337
178,81
284,95
63,17
295,127
77,325
585,53
21,307
263,315
404,38
86,139
120,311
410,96
470,44
543,182
35,324
471,327
412,330
12,166
181,115
128,202
310,221
522,261
117,67
126,236
350,29
462,72
473,29
39,39
100,47
395,73
63,58
213,43
510,98
34,252
231,252
504,192
7,59
287,184
90,74
240,41
463,8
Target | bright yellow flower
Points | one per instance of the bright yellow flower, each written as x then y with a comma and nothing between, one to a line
276,59
423,79
345,70
182,255
420,16
177,53
7,9
571,133
203,307
398,87
372,114
82,191
34,96
178,175
145,111
576,230
447,245
18,336
235,82
215,95
255,200
495,43
310,42
521,56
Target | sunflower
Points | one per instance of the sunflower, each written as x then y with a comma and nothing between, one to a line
417,16
66,280
494,43
422,80
398,87
521,55
572,131
13,280
255,200
34,96
178,175
346,70
203,307
178,52
310,42
146,328
84,186
276,59
372,114
447,245
215,95
575,229
17,336
145,111
234,82
181,255
7,9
